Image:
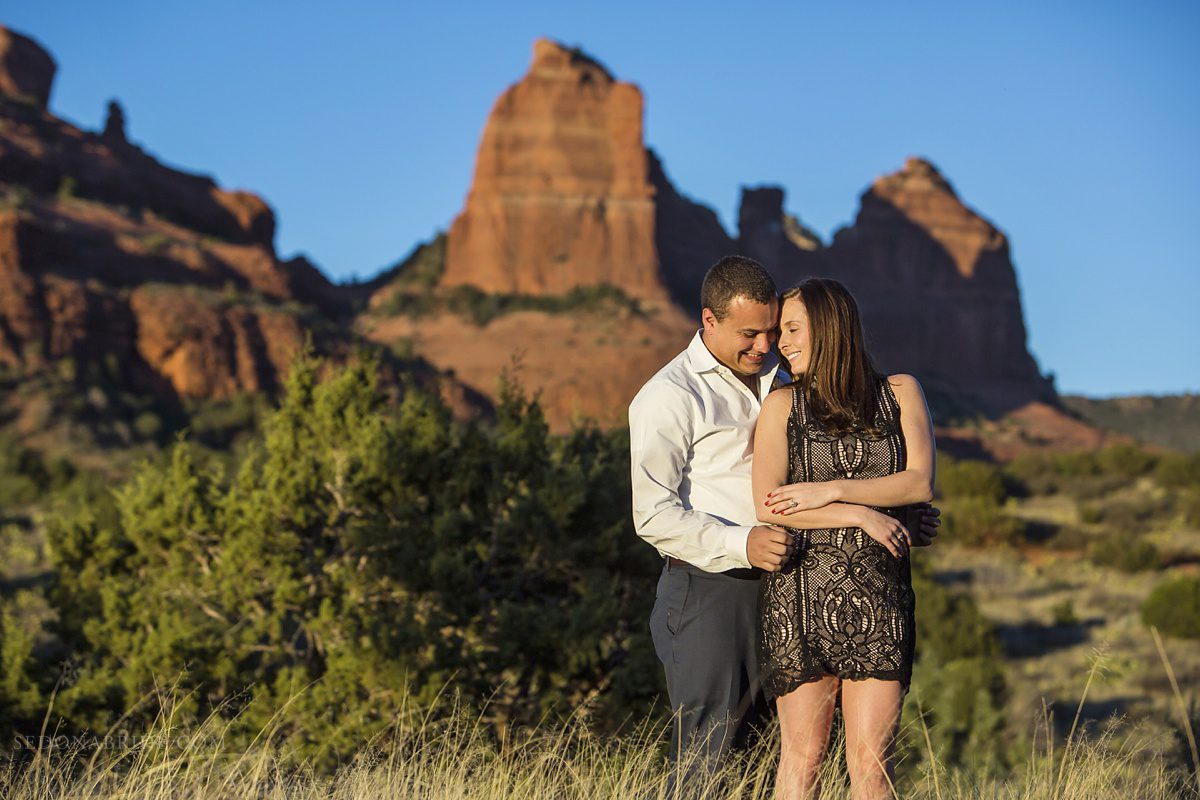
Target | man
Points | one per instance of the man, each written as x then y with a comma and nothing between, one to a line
691,432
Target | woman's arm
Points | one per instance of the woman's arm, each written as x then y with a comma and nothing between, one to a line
770,469
770,466
914,484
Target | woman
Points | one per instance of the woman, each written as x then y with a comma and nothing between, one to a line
839,616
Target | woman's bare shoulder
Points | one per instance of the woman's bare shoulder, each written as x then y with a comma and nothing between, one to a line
777,404
903,382
907,389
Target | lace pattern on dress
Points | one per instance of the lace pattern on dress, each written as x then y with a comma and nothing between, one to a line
843,605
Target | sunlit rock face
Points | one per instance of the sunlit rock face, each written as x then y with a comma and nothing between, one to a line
561,195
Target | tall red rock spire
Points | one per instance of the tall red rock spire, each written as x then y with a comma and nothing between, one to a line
561,195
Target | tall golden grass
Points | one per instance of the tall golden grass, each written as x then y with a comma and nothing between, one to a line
456,755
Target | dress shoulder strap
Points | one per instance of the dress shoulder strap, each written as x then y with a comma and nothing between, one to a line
799,406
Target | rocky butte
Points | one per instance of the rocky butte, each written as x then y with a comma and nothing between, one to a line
561,195
934,279
119,269
575,260
566,194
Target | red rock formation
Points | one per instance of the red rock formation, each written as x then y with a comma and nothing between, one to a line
81,281
48,155
938,289
584,365
561,195
157,279
26,69
207,346
779,240
934,280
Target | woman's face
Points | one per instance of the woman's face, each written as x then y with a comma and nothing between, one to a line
795,338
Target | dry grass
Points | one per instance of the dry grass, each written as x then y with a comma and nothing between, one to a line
1029,592
457,757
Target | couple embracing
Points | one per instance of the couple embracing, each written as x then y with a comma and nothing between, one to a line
784,495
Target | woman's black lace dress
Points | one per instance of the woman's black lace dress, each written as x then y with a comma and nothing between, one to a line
843,605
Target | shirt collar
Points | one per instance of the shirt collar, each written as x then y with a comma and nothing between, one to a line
702,360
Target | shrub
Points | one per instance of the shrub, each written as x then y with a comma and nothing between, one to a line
1177,471
956,479
1125,554
155,242
981,522
1189,508
1064,613
1174,608
387,554
481,307
23,474
1085,473
1131,516
148,425
21,699
1126,460
67,188
959,684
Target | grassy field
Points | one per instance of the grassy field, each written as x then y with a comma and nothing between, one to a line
457,756
1053,685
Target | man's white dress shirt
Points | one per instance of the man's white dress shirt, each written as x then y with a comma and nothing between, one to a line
691,436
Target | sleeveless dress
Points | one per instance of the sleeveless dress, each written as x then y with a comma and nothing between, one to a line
842,605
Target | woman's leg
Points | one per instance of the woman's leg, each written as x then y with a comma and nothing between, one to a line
805,715
871,710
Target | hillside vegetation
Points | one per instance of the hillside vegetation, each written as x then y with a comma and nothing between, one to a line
355,565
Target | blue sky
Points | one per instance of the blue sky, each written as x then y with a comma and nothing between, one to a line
1072,126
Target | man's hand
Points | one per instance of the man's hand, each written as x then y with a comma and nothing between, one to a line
924,520
768,548
795,497
886,530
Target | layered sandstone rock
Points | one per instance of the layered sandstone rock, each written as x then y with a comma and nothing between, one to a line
933,278
938,289
117,268
26,69
82,282
561,195
788,249
47,155
584,365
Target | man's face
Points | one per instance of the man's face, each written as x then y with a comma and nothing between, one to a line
742,340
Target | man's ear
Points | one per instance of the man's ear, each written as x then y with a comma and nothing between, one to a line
708,318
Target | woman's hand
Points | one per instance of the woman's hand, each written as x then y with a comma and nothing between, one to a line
795,497
887,531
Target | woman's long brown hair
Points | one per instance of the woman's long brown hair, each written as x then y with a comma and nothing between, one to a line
840,384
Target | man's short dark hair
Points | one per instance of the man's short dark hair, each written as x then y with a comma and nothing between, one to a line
735,276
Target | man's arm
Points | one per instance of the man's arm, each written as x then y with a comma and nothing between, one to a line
660,443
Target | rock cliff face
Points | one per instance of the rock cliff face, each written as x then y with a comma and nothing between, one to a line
158,280
689,239
26,69
934,281
561,195
938,288
788,249
108,256
566,195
